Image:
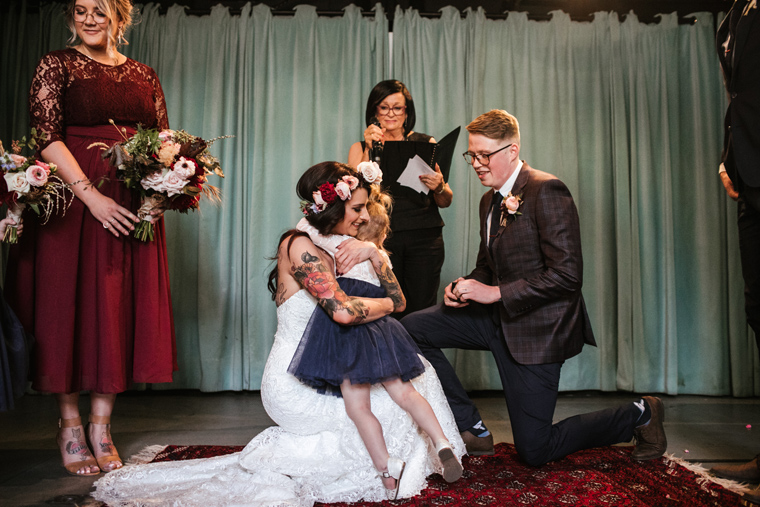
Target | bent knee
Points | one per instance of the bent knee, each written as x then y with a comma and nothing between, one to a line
358,411
404,394
534,457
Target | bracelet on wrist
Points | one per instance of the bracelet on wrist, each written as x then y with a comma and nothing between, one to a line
443,187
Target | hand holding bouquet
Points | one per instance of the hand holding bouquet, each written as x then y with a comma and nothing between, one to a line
168,169
28,181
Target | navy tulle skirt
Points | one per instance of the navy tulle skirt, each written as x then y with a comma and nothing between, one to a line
365,354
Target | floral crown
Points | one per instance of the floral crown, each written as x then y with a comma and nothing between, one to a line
329,193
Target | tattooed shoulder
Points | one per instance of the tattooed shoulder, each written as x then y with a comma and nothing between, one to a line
308,257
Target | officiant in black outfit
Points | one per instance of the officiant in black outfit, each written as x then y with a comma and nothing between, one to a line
416,241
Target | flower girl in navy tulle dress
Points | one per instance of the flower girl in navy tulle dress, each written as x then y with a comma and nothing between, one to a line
350,342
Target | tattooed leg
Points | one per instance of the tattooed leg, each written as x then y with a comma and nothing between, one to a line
99,431
76,456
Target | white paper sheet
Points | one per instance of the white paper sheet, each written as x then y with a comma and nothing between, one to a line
411,175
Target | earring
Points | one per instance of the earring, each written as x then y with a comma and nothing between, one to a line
121,41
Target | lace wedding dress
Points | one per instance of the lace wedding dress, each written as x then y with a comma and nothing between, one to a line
314,454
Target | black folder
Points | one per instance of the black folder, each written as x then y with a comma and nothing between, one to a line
396,155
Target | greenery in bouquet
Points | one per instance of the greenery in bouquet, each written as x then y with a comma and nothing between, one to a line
30,182
168,169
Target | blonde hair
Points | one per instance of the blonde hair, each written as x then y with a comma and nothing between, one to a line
119,10
379,205
496,124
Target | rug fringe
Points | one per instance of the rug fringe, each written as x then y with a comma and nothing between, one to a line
146,455
697,468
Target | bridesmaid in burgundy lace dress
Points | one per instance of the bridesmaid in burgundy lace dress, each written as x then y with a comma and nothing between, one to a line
96,300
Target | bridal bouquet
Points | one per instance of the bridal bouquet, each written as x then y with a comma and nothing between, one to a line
28,181
168,169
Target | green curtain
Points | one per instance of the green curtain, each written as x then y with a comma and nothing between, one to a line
628,115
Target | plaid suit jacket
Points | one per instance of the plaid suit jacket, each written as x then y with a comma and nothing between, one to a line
537,263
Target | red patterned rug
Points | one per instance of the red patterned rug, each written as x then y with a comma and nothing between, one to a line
596,477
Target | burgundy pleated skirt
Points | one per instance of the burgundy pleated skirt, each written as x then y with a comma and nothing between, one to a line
99,307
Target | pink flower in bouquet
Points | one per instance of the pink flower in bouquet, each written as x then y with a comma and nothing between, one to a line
17,182
45,166
36,175
154,181
343,190
185,168
18,160
168,152
174,183
165,135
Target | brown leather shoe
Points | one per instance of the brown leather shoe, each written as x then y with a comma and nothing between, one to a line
651,441
746,472
478,446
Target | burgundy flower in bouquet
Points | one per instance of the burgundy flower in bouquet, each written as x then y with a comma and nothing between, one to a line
30,182
168,169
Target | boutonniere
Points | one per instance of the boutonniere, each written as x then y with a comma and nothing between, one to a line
510,208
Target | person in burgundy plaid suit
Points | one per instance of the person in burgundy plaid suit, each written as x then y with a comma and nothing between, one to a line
523,302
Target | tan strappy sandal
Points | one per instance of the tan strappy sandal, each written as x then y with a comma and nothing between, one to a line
78,440
106,446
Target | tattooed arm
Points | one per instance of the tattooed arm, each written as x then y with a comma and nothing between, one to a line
314,274
389,282
352,251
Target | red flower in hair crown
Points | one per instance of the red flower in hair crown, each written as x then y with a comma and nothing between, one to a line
329,193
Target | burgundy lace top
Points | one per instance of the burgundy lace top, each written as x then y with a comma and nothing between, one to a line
69,88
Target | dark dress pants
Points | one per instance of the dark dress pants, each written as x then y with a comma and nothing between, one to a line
749,247
530,390
417,257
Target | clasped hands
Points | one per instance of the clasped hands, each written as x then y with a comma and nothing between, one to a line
461,291
353,251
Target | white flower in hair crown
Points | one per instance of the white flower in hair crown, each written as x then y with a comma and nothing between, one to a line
370,171
328,193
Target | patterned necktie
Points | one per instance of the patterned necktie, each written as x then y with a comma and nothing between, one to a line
495,217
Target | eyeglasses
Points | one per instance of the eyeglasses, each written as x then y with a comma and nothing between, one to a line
97,16
397,110
483,159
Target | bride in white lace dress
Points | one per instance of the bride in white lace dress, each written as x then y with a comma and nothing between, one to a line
315,453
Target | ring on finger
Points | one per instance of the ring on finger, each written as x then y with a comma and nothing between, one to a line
105,225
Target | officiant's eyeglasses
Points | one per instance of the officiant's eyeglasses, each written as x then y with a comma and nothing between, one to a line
80,16
397,110
484,158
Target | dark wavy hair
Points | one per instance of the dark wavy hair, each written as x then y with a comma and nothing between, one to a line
326,220
330,172
382,90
